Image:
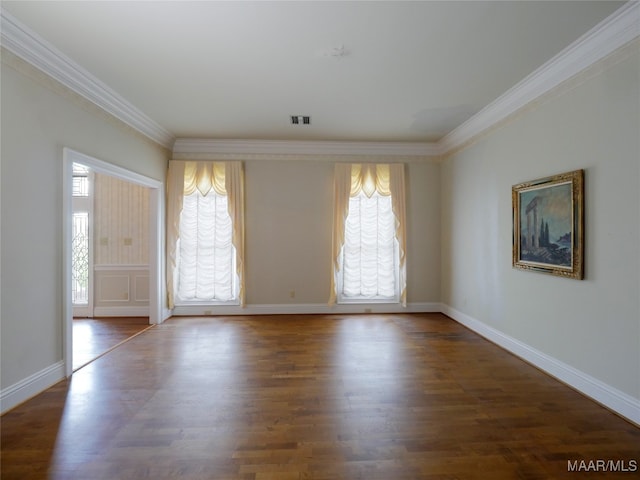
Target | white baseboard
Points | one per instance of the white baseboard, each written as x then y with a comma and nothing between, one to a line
305,308
612,398
31,386
166,313
124,311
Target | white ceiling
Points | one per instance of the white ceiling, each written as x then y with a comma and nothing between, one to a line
364,71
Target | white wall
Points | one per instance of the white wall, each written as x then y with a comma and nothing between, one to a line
288,222
593,325
39,118
289,208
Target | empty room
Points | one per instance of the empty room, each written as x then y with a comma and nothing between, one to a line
320,240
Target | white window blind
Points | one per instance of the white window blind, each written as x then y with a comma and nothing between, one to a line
206,260
369,240
205,233
370,253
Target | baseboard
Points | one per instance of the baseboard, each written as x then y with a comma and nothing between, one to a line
612,398
121,311
306,308
31,386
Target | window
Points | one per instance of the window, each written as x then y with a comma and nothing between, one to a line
205,233
369,257
81,205
80,187
206,259
369,245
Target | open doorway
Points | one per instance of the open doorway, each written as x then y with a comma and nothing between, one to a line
112,256
109,262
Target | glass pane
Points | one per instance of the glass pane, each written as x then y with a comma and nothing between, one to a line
80,259
206,263
80,181
369,249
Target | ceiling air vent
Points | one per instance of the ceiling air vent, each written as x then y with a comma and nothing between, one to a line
300,120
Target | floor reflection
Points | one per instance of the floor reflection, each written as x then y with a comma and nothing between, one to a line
331,397
93,337
375,377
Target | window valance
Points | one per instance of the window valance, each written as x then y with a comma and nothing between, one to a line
349,181
204,177
183,179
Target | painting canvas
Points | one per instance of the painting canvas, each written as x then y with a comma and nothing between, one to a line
548,225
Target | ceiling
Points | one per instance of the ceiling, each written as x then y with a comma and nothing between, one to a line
388,71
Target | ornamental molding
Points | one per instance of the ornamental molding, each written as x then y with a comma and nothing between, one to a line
35,50
620,28
186,146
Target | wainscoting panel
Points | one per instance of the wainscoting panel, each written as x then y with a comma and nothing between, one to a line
113,288
141,288
121,290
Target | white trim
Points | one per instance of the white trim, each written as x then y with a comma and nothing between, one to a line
620,402
306,309
31,386
615,31
293,147
120,267
28,45
612,33
106,168
122,311
67,237
157,230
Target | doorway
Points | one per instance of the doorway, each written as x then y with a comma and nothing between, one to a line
75,279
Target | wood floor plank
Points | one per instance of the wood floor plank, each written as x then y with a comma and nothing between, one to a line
93,337
319,397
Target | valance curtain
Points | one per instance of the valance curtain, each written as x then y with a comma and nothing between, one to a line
349,181
185,178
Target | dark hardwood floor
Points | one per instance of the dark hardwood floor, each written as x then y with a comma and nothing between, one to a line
93,337
387,397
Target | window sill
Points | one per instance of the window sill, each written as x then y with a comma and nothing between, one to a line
368,300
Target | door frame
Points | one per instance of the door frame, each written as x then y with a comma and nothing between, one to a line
156,205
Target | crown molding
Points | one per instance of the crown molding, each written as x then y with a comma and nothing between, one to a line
184,146
612,33
618,29
29,46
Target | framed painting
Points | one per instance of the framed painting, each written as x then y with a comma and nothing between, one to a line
548,225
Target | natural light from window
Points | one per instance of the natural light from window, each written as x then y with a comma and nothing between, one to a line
206,260
370,252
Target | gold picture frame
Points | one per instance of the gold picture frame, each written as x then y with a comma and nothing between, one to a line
548,225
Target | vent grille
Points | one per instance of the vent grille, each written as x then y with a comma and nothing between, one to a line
300,120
